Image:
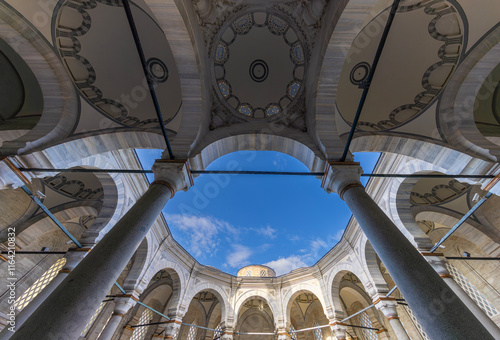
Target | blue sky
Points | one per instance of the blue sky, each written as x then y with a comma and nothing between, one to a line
230,221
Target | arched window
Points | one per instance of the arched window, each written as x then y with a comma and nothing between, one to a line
92,320
364,320
263,273
472,291
39,284
318,334
218,332
293,335
140,332
248,273
192,332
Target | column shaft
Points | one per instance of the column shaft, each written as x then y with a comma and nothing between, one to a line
398,329
442,314
111,326
64,314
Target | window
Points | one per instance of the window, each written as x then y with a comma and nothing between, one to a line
364,320
263,273
417,324
293,335
318,334
140,332
39,284
249,273
218,332
92,320
472,291
192,332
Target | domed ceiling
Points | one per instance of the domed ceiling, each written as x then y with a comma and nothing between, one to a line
96,44
422,51
258,65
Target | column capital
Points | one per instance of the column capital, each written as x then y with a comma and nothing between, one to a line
438,263
338,329
10,176
173,173
283,334
388,306
123,304
340,176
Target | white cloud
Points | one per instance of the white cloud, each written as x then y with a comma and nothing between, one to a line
332,239
201,232
239,255
267,232
284,265
317,245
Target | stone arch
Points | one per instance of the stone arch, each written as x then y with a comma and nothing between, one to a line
65,197
138,266
400,205
371,261
252,314
260,294
334,280
459,99
260,142
60,101
290,296
213,288
175,271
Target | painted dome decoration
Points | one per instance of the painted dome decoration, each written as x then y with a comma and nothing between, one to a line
259,63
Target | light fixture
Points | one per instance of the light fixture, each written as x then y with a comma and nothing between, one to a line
466,254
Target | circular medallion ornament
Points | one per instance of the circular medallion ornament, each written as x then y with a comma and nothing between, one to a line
157,69
258,70
259,64
359,73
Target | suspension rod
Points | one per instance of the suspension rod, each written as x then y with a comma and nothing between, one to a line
138,45
367,83
36,252
243,172
474,258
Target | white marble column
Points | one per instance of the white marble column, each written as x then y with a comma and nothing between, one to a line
123,303
438,262
388,307
64,314
440,312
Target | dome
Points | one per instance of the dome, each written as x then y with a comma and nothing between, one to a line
257,270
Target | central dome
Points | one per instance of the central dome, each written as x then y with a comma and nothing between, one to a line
258,65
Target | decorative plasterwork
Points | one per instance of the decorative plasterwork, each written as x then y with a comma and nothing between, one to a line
107,71
233,31
432,31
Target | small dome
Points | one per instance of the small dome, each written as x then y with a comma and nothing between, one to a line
257,270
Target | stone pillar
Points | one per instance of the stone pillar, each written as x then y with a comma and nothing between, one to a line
283,334
338,329
388,307
123,303
172,327
73,257
438,262
440,312
227,333
64,314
